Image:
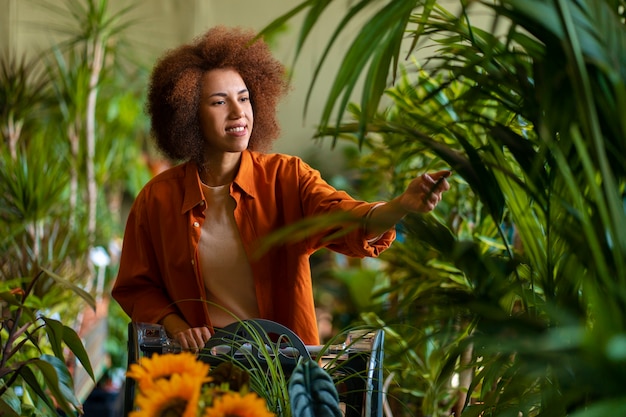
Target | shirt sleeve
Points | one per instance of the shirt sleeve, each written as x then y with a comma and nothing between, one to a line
319,198
138,287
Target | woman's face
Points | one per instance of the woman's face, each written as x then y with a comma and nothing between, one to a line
225,111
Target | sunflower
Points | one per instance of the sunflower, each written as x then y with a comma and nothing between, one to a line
148,370
174,397
234,404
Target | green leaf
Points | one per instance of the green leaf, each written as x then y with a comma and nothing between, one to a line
59,381
54,330
75,344
324,227
10,404
31,381
73,287
312,391
609,407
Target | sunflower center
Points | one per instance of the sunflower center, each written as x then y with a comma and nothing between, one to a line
174,408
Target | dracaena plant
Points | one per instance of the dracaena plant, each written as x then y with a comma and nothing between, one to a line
36,350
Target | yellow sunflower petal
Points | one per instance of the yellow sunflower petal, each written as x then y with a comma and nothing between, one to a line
158,366
233,404
176,396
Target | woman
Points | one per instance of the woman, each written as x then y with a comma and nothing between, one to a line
188,259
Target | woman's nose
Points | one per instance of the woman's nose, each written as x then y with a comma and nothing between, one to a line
236,111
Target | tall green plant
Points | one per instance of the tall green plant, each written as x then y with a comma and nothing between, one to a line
72,126
91,58
526,110
21,88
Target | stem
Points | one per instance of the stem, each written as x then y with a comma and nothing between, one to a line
92,188
11,326
14,130
75,151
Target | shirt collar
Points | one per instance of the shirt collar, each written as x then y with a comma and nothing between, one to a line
245,176
192,187
193,184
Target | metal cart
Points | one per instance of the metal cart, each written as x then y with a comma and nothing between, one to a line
356,365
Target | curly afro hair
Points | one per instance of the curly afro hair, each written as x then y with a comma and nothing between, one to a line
174,90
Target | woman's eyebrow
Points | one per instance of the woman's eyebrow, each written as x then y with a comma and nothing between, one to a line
221,94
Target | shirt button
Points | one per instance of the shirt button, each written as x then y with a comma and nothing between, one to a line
196,224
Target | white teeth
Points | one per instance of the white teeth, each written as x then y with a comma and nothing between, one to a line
236,129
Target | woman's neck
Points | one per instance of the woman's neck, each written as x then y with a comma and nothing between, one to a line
220,171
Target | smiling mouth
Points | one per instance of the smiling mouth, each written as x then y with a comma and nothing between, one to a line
236,129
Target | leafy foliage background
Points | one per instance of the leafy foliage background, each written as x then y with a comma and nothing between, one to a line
509,299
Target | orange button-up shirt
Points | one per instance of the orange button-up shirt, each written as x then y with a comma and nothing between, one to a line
159,269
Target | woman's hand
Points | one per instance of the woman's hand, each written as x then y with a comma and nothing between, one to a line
421,196
189,338
193,339
424,192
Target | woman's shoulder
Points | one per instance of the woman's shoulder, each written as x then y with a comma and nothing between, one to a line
276,161
173,173
168,180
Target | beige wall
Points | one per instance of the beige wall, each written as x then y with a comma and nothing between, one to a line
162,24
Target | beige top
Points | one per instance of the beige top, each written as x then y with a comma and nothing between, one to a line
227,274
